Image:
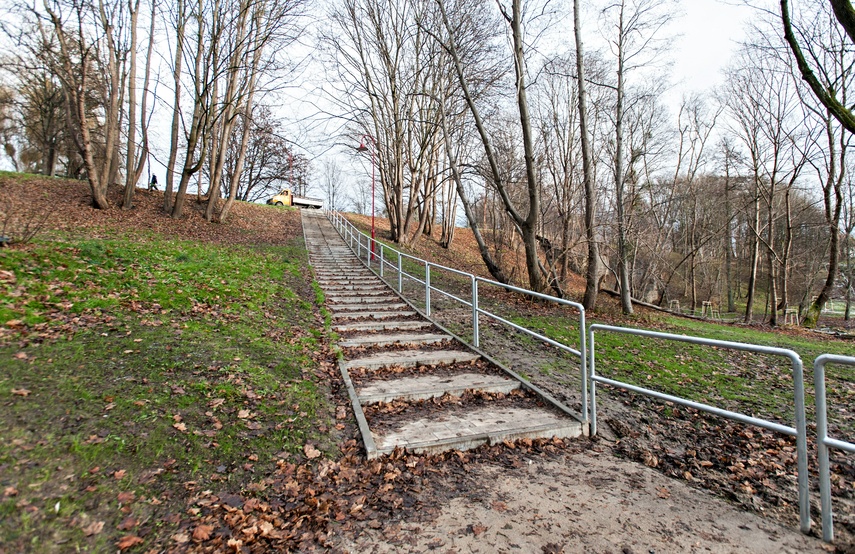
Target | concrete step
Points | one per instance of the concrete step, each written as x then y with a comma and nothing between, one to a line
472,428
382,326
368,308
388,340
373,315
432,386
367,290
367,299
410,358
348,280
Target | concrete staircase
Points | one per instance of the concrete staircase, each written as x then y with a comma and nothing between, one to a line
411,385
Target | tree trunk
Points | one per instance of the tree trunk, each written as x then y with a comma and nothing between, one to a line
833,203
623,273
176,107
755,252
131,152
593,270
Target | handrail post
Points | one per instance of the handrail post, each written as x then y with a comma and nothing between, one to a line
475,333
427,288
801,444
583,365
381,260
592,400
822,449
400,274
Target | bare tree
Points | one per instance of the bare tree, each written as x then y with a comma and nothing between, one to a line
592,273
332,183
634,44
527,222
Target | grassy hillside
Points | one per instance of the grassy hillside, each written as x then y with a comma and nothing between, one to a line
146,360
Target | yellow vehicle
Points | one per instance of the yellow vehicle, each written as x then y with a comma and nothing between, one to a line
287,198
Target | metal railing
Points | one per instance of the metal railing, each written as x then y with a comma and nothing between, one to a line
363,249
799,431
823,441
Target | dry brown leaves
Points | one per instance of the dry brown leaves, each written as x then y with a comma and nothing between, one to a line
299,507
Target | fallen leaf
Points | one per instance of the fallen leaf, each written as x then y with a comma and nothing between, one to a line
12,323
216,402
10,491
93,528
20,392
243,414
663,492
499,506
126,497
202,532
181,538
180,426
128,541
21,355
127,524
119,474
311,452
478,529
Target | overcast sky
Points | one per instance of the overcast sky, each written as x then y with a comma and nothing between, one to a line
711,31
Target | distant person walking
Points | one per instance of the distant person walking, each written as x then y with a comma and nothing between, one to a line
152,185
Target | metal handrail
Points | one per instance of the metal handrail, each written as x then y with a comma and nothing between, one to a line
800,430
823,441
348,230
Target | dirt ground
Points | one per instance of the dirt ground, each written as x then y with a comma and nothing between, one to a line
585,501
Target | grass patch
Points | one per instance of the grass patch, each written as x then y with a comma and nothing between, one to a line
148,368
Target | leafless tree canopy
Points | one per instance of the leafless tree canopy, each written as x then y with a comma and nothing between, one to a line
559,155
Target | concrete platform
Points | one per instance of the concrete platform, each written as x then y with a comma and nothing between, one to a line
432,386
382,326
411,358
470,429
388,340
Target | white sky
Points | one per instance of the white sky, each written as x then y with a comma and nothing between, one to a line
711,31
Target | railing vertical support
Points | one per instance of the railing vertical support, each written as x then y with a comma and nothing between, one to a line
583,363
381,260
400,275
427,288
475,333
801,445
823,441
592,401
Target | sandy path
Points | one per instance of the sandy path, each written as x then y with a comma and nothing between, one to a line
585,502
